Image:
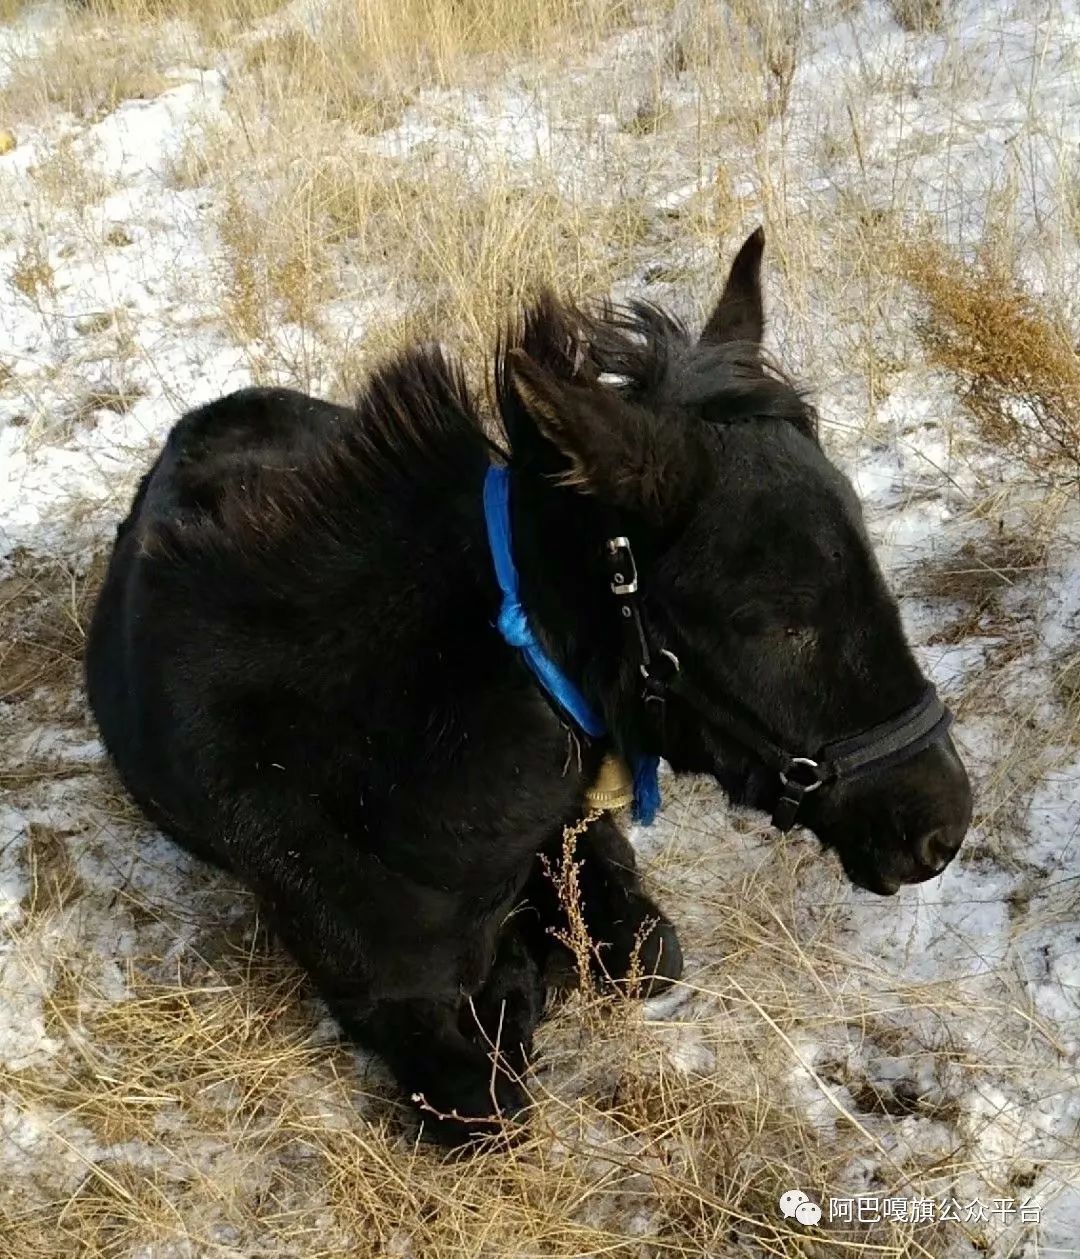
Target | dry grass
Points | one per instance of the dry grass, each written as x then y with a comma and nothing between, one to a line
32,274
71,179
408,43
452,249
448,234
292,64
918,16
88,70
208,14
477,253
452,253
273,275
993,588
747,53
234,1122
1015,360
980,576
197,1102
44,609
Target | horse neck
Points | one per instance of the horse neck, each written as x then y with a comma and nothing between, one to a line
558,539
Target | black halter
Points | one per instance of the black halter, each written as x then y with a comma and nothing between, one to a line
925,722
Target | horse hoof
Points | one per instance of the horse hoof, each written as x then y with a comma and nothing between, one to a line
491,1110
646,958
659,962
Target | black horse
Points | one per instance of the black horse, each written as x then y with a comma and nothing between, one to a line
296,663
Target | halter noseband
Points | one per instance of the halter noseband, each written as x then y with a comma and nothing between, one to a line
925,722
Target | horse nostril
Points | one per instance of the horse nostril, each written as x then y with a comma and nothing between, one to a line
936,849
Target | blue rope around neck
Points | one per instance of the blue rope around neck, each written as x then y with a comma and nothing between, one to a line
514,626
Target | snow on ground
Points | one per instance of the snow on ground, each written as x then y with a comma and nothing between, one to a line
134,256
972,979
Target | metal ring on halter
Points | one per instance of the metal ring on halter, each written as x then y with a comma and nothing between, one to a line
646,672
810,764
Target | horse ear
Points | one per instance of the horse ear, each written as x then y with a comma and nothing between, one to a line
613,450
739,314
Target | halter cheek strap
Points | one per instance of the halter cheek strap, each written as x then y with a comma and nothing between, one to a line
925,722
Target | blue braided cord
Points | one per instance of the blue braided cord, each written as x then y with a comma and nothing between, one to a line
514,626
646,790
513,622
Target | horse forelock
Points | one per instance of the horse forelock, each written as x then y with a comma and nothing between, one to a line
648,355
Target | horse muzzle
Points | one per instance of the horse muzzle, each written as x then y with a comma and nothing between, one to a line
904,825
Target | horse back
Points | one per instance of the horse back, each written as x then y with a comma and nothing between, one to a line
178,565
292,587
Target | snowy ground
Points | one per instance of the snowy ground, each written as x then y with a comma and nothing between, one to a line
164,1090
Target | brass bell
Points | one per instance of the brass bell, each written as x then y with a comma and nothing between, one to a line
614,785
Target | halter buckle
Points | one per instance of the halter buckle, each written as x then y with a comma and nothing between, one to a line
624,575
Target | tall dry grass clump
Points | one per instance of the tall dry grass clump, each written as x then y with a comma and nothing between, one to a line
918,16
311,198
448,252
1016,362
430,41
362,61
87,69
345,86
